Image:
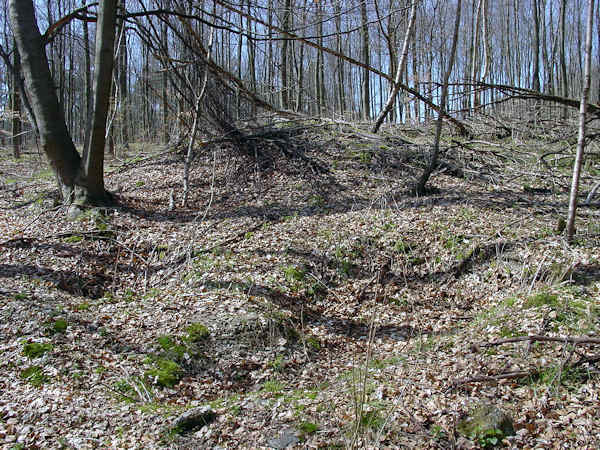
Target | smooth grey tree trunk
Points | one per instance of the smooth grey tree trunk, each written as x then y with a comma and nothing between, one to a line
16,105
536,47
399,69
340,62
420,187
366,85
54,136
87,83
284,55
104,61
80,183
564,89
123,84
585,97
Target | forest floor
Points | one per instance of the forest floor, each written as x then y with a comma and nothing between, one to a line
311,310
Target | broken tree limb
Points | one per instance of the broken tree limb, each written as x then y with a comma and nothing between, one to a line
590,196
459,125
515,374
530,94
501,376
401,65
541,338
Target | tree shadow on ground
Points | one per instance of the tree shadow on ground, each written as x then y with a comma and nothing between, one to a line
342,202
51,306
304,313
586,274
65,280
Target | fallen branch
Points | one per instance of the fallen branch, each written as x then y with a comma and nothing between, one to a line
236,237
540,338
379,277
480,253
484,378
516,373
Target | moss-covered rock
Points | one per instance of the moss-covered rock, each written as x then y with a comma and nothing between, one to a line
194,419
487,425
197,332
34,350
165,373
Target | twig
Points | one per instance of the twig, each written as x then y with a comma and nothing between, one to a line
120,394
501,376
540,338
526,373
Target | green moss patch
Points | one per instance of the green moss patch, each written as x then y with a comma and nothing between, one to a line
197,332
487,425
34,375
165,373
59,326
542,299
34,350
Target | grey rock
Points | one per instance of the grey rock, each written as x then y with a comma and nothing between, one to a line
486,421
286,439
74,212
194,419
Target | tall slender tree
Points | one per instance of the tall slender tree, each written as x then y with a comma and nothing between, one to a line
366,59
79,180
399,70
421,183
16,104
585,97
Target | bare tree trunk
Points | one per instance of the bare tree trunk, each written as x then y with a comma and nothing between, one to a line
486,41
123,84
54,137
562,54
475,56
251,58
598,25
416,81
16,105
340,62
399,70
269,68
284,55
87,83
546,60
300,66
585,96
94,157
164,80
320,61
366,85
420,187
536,47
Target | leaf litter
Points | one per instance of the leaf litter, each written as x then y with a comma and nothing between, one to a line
336,305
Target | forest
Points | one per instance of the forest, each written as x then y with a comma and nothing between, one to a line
299,224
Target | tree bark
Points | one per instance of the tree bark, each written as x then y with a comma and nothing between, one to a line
366,85
54,136
570,229
164,101
420,187
340,62
105,43
475,56
562,54
87,83
123,84
536,47
16,105
285,25
399,70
